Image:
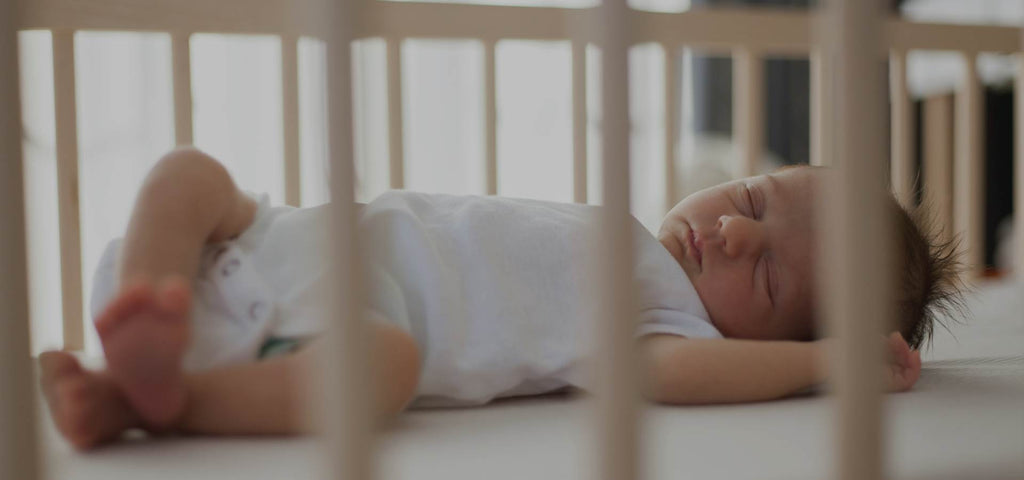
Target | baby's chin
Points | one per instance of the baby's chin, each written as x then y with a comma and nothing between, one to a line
703,298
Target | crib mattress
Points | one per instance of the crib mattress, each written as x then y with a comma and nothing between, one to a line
964,419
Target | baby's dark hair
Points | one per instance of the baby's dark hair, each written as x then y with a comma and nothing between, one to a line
929,288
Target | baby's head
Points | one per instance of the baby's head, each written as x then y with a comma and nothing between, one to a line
748,247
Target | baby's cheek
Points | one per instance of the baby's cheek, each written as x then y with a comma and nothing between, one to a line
728,308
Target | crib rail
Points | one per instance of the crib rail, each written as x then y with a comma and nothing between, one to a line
1018,196
18,438
859,303
617,392
771,31
345,411
750,35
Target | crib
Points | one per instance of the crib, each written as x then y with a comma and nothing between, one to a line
845,43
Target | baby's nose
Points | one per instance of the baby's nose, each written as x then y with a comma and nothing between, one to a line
741,235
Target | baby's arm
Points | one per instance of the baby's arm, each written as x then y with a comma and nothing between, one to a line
700,371
187,200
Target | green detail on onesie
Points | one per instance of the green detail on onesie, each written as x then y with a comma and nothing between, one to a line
276,346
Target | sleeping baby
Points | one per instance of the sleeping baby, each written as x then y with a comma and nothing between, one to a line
209,308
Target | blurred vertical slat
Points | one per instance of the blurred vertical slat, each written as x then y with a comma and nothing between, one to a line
181,63
1018,205
396,146
19,447
969,167
821,104
290,114
748,110
579,122
617,393
858,278
672,114
902,143
937,145
490,120
67,186
346,409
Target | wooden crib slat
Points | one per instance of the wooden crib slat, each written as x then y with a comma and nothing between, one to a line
181,63
748,110
490,120
290,117
616,390
67,186
821,114
345,408
938,161
19,442
1018,197
396,145
902,143
579,122
672,114
785,31
858,302
969,167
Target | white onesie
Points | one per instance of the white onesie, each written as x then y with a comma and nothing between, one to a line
494,290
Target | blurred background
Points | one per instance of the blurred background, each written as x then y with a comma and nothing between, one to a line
125,119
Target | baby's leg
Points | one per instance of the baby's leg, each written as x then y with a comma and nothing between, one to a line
144,332
188,200
267,397
87,407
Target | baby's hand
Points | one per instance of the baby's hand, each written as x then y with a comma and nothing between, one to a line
903,364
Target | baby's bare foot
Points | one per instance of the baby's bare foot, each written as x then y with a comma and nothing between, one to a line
144,332
87,407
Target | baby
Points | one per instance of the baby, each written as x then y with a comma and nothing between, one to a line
208,308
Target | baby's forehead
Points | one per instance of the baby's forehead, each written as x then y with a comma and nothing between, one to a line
797,191
794,193
800,180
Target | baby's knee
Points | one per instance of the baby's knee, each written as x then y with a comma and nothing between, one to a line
186,167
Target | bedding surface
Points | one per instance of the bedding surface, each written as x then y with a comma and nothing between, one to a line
964,419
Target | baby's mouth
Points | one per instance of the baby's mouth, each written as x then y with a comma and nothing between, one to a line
693,249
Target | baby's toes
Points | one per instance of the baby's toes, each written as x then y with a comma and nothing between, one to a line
131,301
56,364
76,412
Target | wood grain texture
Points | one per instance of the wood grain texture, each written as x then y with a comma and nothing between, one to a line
346,413
902,171
673,113
490,121
968,169
181,65
396,143
617,393
822,116
773,31
19,445
937,143
290,121
579,122
69,212
748,111
857,272
1018,168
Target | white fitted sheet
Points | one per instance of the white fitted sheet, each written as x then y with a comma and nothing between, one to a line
964,419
